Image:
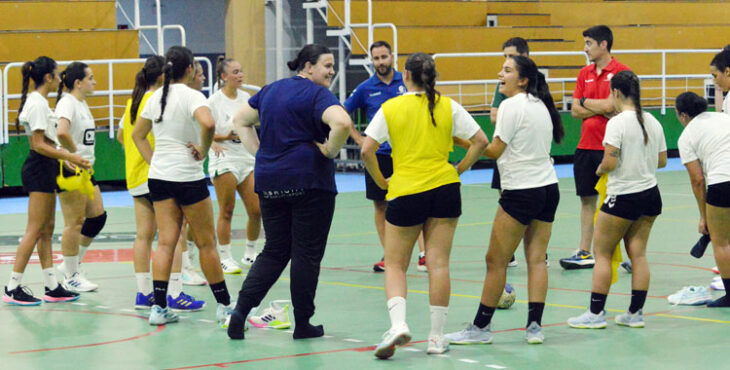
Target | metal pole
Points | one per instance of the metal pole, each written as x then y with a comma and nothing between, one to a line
341,57
136,14
160,42
348,20
664,83
310,27
279,40
110,88
370,24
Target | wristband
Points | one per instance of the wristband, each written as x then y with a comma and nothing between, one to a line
582,101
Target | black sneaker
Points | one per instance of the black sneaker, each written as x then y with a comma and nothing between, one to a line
20,296
60,294
580,260
512,262
627,266
380,266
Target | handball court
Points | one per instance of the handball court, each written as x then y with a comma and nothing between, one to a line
102,329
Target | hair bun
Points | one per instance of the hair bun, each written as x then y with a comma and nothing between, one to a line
292,64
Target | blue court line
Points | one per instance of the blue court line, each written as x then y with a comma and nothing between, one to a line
346,183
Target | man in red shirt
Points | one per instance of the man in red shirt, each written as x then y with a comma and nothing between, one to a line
591,103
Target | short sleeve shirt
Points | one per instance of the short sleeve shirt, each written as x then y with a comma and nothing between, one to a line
290,112
172,159
707,139
82,127
590,85
371,94
223,108
37,115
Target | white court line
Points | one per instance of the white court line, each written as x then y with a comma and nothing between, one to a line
289,331
128,310
411,349
79,304
445,356
353,340
326,336
496,366
103,307
468,361
206,321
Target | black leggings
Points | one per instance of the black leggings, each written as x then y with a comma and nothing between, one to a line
296,229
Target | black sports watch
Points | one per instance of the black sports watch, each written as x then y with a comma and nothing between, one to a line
582,100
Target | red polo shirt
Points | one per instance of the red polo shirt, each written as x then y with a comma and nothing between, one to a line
593,86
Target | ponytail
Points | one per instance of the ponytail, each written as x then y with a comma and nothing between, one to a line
423,72
145,78
74,71
627,83
220,69
538,87
167,71
309,53
36,71
177,61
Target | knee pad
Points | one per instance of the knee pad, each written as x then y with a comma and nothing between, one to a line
92,226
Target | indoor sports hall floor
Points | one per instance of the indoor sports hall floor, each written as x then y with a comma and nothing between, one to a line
102,330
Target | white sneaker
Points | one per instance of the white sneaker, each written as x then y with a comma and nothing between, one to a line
691,295
78,283
230,266
223,314
248,259
190,277
437,345
717,283
632,320
471,335
533,333
276,316
588,320
162,316
392,338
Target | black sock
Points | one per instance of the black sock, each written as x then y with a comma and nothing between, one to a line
159,287
598,302
720,302
220,291
236,325
638,297
307,330
484,316
534,312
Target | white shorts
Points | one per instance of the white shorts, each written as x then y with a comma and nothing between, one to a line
239,167
139,190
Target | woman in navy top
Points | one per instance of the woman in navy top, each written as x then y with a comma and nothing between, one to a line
303,127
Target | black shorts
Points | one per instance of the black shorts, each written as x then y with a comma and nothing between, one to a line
718,195
39,173
496,180
634,205
585,164
372,191
184,192
69,173
415,209
144,196
525,205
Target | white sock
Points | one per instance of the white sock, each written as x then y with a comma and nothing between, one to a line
175,286
225,251
421,254
397,311
82,252
49,277
438,320
186,260
71,265
250,248
144,282
191,245
15,279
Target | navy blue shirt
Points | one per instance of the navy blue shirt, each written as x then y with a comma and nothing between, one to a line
371,94
290,111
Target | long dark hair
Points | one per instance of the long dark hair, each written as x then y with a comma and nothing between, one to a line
220,69
177,61
34,70
721,60
74,71
628,84
690,104
423,73
146,77
309,53
538,87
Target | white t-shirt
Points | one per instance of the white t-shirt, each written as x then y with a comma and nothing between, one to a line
637,162
172,159
463,124
37,115
82,128
726,104
707,138
223,108
524,124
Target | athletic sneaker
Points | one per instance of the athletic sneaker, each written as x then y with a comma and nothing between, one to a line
184,303
60,294
717,283
690,295
392,338
162,316
78,283
716,270
437,345
144,302
471,335
547,263
275,316
533,333
632,320
422,264
20,296
248,257
512,262
190,277
380,266
223,314
588,320
580,260
230,266
626,265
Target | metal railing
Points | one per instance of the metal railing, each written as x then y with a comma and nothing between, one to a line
110,92
158,27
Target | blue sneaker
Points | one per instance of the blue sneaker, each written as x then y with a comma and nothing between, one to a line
184,303
580,260
144,302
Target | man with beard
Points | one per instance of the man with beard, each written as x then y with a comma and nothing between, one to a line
386,83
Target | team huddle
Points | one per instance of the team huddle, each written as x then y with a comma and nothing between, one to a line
285,176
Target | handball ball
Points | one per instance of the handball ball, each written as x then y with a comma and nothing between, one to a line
508,297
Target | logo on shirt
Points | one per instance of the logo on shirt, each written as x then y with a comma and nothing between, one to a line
375,94
401,89
609,77
591,80
89,136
